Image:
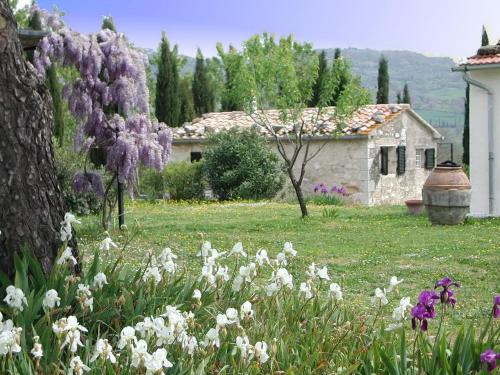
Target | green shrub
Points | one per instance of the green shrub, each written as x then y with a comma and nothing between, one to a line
67,164
184,180
151,184
239,164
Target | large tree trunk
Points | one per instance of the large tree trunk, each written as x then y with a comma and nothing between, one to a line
31,202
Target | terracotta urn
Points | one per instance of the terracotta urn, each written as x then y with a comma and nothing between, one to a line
446,194
415,206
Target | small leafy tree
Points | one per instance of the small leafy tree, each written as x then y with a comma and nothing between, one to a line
281,74
383,81
341,76
239,164
231,61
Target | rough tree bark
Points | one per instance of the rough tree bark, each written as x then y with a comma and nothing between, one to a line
31,201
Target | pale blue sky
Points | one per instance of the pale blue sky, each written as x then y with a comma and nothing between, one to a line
435,27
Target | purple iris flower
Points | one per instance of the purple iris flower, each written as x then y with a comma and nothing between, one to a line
424,309
496,307
324,189
318,187
447,295
489,357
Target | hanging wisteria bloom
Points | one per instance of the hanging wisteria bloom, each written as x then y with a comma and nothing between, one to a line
109,99
496,307
424,309
447,295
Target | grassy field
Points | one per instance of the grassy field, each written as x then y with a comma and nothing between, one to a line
363,247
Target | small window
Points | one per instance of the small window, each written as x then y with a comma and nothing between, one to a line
384,160
401,166
419,158
195,156
430,158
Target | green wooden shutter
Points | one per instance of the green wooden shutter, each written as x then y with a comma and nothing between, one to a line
430,158
401,152
384,160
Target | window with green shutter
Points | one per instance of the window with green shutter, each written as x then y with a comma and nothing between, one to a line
430,158
384,160
401,152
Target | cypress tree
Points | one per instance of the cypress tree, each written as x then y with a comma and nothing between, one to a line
342,77
107,23
465,136
54,86
203,96
383,81
398,98
336,54
485,41
320,80
187,110
406,95
167,102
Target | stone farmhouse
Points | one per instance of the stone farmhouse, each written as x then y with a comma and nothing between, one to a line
382,154
482,73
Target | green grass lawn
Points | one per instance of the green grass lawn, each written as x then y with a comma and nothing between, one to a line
363,247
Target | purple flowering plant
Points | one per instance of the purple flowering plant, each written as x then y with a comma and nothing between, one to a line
109,100
490,358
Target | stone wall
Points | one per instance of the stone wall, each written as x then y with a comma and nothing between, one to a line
393,188
343,162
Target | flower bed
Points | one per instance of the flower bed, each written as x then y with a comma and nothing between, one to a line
242,313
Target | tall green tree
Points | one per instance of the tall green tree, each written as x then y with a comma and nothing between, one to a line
383,81
107,23
406,94
399,99
203,94
341,75
337,53
167,102
321,79
485,41
232,61
465,136
187,109
281,74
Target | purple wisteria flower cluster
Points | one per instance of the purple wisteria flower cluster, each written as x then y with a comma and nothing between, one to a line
336,189
109,99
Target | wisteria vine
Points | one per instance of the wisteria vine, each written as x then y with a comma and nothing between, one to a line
109,99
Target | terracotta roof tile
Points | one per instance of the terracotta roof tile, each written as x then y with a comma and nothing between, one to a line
483,59
363,121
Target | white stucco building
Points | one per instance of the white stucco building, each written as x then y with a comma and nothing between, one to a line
383,155
482,72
